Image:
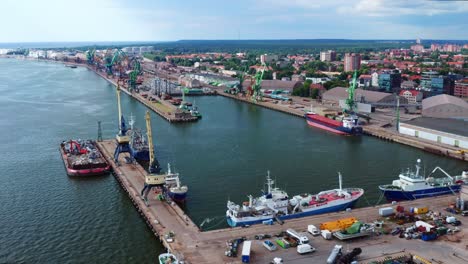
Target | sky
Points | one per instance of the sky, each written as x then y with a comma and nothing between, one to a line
167,20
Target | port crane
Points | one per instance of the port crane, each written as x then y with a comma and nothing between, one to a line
90,56
154,178
351,92
112,60
123,140
133,75
257,84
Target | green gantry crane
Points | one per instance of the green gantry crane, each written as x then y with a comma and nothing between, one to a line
110,61
90,56
351,92
257,94
133,76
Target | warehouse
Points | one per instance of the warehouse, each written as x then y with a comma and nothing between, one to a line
452,132
340,93
445,106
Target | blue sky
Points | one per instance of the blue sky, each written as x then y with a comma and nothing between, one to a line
157,20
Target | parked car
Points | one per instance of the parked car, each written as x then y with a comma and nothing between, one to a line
456,223
269,245
262,236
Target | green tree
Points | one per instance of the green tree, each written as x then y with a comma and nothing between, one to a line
314,93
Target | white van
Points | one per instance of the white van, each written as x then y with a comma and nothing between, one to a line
300,238
305,248
313,230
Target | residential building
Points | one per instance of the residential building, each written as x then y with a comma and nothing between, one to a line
265,58
352,62
329,55
297,78
408,85
365,80
461,88
390,81
417,48
435,47
412,96
375,79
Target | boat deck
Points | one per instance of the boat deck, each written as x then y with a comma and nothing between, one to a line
195,246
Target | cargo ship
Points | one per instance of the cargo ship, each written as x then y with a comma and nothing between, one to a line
83,158
412,185
175,190
138,143
275,204
346,124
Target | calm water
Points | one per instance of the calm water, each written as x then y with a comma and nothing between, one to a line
47,217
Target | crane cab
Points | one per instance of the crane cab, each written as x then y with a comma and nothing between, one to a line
155,179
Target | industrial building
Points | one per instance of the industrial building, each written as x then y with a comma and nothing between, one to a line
445,106
448,131
340,93
276,85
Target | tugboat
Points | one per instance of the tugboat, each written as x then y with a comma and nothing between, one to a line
194,112
175,191
411,185
83,158
276,205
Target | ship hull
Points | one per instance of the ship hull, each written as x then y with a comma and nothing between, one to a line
331,125
82,172
399,195
140,154
178,196
257,220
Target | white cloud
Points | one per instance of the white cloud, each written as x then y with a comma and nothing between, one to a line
403,7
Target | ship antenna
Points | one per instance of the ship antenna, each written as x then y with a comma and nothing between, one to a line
340,183
418,167
168,168
131,122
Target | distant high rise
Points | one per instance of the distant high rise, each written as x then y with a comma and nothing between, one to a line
417,48
265,58
418,41
329,55
352,61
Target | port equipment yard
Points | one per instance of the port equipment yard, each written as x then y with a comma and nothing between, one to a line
195,246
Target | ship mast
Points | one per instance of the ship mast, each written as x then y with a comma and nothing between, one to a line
340,183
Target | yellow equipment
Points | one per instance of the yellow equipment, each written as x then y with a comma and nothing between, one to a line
151,178
338,224
121,136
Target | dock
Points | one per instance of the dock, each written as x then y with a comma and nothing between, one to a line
196,246
169,112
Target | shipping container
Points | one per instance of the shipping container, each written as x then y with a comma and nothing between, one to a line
386,211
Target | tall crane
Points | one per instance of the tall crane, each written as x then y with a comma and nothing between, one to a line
154,178
256,86
351,92
112,60
90,56
133,76
122,138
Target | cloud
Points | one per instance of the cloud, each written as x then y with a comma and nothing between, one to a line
404,7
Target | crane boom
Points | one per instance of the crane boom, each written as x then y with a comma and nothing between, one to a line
150,137
351,90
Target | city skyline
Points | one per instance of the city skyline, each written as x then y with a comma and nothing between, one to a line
122,20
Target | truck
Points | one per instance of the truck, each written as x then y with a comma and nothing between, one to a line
304,249
302,239
326,234
246,251
334,254
313,230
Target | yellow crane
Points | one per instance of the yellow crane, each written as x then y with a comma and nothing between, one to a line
122,138
154,178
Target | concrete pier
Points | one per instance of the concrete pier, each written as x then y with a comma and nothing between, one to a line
194,246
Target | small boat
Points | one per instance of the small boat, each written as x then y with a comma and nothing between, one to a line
412,185
83,158
168,258
175,190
